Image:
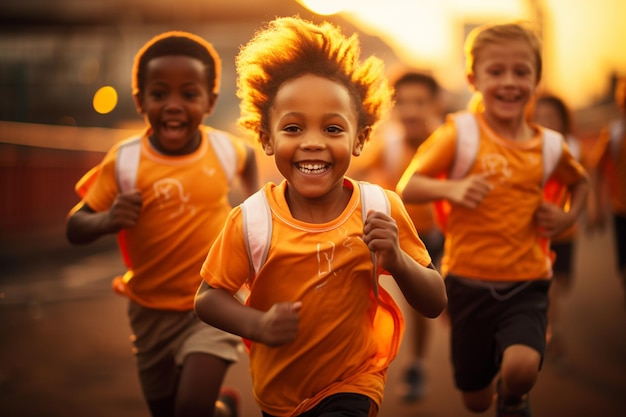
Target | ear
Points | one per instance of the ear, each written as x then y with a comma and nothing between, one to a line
211,100
360,140
138,103
471,80
266,142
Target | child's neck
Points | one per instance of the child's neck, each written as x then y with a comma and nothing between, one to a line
318,210
518,130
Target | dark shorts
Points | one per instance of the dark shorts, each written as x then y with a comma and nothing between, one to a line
563,263
484,322
619,222
341,405
434,242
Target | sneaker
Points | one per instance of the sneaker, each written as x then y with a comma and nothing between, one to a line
415,382
229,399
506,408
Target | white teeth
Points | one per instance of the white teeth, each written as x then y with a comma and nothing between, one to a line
313,168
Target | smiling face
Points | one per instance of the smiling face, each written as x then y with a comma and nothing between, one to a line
313,134
175,100
505,73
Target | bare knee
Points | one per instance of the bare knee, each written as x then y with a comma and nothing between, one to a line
519,370
478,401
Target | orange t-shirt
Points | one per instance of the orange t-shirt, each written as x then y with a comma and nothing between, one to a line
346,337
497,241
185,204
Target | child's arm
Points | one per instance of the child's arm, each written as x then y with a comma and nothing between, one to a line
422,287
85,225
250,174
467,192
553,220
218,308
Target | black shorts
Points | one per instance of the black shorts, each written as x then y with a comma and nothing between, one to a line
563,263
484,322
619,222
341,405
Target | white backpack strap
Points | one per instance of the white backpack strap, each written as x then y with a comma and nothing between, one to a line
552,149
616,138
127,164
467,143
225,151
373,197
257,228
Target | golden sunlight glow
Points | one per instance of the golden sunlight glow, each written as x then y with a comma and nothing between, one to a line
105,100
325,7
582,40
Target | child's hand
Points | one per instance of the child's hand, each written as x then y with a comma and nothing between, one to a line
380,234
124,212
552,220
279,325
471,190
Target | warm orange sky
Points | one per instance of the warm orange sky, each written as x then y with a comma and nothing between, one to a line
582,38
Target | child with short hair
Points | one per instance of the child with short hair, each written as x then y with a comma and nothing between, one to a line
165,193
321,331
552,112
496,265
416,112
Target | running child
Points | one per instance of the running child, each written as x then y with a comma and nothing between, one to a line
496,264
165,193
321,331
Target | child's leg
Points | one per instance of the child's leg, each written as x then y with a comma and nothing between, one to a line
200,382
519,371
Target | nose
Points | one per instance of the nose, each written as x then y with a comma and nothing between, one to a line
174,103
313,141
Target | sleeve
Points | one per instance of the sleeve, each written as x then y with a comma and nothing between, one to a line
568,170
102,190
410,241
435,156
227,265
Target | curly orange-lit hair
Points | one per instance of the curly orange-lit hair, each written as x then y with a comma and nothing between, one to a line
177,43
289,47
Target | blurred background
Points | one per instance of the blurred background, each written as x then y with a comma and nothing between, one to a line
65,98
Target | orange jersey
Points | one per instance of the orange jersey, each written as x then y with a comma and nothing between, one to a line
611,157
346,337
185,204
497,241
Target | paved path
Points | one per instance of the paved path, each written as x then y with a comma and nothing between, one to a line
65,351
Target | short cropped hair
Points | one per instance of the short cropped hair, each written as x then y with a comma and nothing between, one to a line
290,47
412,77
177,43
561,108
495,33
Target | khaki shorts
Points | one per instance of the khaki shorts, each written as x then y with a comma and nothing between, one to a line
163,338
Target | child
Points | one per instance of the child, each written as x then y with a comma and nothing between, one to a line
496,270
416,112
609,178
321,333
168,217
551,111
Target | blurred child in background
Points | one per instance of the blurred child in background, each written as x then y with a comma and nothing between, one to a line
166,193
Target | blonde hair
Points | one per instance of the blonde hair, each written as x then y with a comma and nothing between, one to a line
290,47
488,34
